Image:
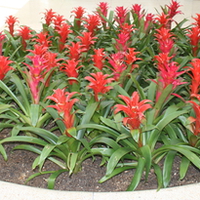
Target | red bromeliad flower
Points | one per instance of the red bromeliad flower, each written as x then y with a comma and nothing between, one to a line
64,106
35,75
122,43
71,69
165,39
195,122
42,39
131,57
75,50
195,77
4,66
118,66
2,38
136,8
49,15
25,33
121,15
194,35
197,20
134,109
11,20
92,23
98,83
38,49
173,9
87,40
149,20
98,58
102,9
79,12
63,31
126,29
163,20
58,20
168,73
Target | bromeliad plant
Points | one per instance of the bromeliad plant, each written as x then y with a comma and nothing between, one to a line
122,84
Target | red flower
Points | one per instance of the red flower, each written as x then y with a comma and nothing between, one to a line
64,106
136,8
49,15
24,32
197,20
35,75
11,20
121,15
39,50
71,69
195,77
87,40
102,10
165,39
75,50
194,35
79,12
98,58
149,20
134,109
63,31
173,9
118,66
126,29
131,57
163,20
98,83
122,43
4,66
92,23
195,121
58,21
2,38
42,39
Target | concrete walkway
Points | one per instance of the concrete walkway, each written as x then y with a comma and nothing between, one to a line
10,191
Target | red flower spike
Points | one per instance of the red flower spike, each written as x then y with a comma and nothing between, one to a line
98,83
173,9
25,33
134,109
48,16
75,50
58,20
195,77
64,106
11,20
122,43
42,39
92,23
98,58
137,9
4,66
87,40
197,20
102,9
2,38
63,31
149,20
126,29
71,69
163,20
194,35
131,57
118,66
195,121
79,12
121,15
38,49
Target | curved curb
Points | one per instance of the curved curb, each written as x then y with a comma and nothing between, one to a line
12,191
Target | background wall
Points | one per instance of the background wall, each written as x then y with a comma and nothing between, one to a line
30,12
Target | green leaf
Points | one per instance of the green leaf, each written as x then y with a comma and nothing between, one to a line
115,158
52,178
72,161
34,114
137,175
167,168
185,163
159,175
3,152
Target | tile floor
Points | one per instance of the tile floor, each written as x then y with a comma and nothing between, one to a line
29,12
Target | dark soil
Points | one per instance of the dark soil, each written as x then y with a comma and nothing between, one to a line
18,168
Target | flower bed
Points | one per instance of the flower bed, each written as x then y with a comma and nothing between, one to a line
123,85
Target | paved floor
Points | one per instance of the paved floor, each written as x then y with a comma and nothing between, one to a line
30,12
